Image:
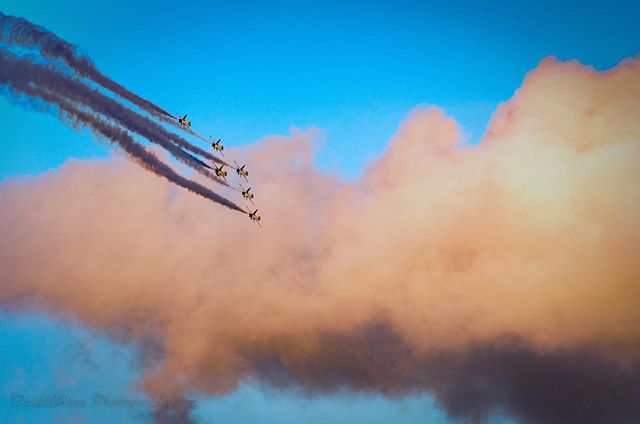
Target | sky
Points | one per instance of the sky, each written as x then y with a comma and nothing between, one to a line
244,71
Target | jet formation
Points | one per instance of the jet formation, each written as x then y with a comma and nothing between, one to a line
220,172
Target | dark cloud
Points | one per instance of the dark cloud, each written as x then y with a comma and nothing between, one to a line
174,411
502,377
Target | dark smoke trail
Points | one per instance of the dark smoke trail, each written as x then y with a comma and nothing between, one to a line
79,92
11,75
20,31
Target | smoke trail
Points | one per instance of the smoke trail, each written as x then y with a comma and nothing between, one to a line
14,74
91,98
20,31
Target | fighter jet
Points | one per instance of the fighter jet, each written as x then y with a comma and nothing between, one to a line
246,193
241,171
217,145
255,217
183,121
220,172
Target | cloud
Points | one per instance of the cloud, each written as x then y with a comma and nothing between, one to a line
501,277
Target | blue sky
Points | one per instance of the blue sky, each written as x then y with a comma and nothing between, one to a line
244,70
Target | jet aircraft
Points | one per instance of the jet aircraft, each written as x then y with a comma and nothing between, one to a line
255,217
246,193
220,172
217,145
183,121
241,171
